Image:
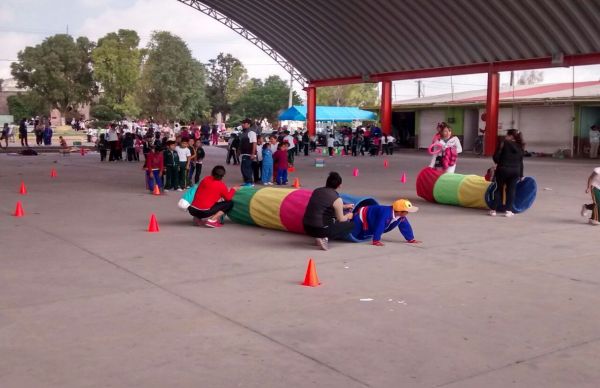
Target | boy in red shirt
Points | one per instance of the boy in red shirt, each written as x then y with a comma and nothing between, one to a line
154,168
207,202
280,160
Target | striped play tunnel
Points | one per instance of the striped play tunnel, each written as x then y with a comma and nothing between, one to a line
280,208
469,190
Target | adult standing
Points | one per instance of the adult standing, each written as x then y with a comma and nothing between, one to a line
305,142
5,132
594,141
113,140
509,170
247,152
23,132
324,217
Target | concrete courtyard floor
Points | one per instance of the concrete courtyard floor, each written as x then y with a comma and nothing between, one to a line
88,298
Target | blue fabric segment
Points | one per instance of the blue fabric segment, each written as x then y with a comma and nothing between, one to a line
328,113
524,196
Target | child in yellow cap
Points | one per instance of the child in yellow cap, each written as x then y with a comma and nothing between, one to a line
376,220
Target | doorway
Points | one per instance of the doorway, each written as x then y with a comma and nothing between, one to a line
403,128
471,128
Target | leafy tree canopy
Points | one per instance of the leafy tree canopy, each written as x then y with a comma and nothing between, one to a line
359,95
27,104
226,79
264,100
58,70
117,61
172,83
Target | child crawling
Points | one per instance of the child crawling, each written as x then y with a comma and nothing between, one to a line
377,220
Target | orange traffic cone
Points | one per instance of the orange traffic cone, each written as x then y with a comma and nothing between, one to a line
355,172
19,210
23,189
311,279
296,183
153,225
156,190
291,169
53,173
385,164
403,179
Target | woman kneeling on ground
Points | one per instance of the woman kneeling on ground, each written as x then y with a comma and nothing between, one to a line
324,217
212,200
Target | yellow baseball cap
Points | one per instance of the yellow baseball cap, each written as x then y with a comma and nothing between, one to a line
404,205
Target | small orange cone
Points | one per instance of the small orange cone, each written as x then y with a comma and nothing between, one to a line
156,190
296,183
153,225
355,172
311,279
292,169
53,173
385,164
19,210
23,189
403,179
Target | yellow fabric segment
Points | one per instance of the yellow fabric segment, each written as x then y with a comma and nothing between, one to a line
471,192
265,206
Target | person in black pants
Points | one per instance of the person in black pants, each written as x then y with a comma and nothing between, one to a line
509,171
324,217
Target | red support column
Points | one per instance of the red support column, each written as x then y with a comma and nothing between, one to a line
311,110
386,107
491,113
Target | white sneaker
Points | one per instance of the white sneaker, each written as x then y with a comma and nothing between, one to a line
585,212
594,222
492,213
323,243
179,190
166,190
509,214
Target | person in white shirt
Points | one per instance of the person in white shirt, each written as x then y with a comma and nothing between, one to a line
185,156
448,144
593,188
291,147
594,141
330,144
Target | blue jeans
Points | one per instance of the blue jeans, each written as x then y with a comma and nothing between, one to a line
246,167
267,173
282,176
155,177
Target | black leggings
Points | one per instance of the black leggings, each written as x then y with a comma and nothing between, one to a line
224,206
506,178
198,172
338,230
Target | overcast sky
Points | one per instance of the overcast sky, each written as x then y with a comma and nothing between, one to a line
28,22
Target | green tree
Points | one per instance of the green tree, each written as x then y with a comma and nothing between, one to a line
117,60
172,84
27,104
58,70
264,100
348,95
226,79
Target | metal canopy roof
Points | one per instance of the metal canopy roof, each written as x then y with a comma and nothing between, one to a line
354,40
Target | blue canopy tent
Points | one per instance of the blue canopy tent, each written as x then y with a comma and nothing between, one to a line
328,113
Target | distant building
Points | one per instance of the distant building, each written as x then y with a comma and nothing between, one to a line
550,116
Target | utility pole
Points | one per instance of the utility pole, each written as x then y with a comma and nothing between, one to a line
67,29
291,99
419,89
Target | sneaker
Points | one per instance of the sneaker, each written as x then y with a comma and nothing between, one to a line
166,190
179,190
492,213
270,183
594,222
323,243
198,222
585,212
509,214
212,223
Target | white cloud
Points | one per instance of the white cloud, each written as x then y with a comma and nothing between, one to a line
10,44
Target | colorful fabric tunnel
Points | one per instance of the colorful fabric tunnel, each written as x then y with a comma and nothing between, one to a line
469,190
276,208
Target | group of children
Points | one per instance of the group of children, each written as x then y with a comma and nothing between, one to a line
180,164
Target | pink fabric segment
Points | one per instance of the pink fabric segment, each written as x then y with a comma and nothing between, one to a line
292,210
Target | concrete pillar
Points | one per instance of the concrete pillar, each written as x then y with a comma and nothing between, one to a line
491,113
386,107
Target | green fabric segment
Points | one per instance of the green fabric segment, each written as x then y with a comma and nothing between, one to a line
241,206
445,190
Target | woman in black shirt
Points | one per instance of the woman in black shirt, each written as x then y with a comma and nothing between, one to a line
509,170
